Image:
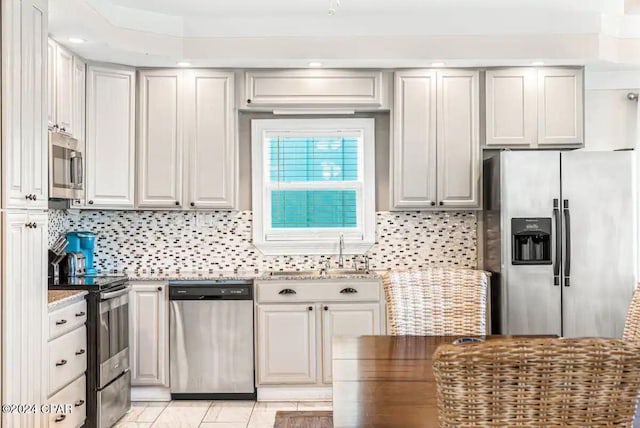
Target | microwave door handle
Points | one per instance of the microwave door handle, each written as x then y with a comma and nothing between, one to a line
79,171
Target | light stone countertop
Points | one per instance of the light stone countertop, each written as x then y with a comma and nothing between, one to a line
177,275
60,298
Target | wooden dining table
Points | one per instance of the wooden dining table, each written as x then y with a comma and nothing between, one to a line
386,381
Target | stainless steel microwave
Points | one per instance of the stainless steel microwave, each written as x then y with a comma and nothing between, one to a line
66,178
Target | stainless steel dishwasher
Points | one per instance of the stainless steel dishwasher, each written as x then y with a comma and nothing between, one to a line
211,340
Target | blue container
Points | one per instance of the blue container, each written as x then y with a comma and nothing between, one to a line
84,242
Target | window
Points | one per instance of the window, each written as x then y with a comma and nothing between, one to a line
313,180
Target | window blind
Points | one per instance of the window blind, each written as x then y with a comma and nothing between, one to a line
314,181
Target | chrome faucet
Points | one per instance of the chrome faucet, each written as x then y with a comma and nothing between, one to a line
341,256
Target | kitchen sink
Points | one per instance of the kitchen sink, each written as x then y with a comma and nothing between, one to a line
346,272
295,273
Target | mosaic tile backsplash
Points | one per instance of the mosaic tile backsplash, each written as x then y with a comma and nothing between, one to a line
129,241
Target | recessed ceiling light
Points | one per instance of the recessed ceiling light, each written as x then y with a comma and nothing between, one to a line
76,40
437,64
537,63
315,64
184,64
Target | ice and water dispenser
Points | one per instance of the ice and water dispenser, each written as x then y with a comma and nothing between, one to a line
531,241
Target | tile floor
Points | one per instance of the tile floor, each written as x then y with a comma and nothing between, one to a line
210,414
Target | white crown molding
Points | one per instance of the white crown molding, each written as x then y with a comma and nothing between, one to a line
585,32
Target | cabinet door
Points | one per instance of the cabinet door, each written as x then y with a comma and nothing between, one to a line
159,155
110,137
286,344
64,91
317,87
34,100
24,317
35,316
350,320
414,140
51,83
15,262
211,138
511,107
458,139
560,107
79,92
148,334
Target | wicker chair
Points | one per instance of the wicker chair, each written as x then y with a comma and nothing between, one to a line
436,302
538,382
632,324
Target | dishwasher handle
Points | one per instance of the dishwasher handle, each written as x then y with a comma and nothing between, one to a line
211,292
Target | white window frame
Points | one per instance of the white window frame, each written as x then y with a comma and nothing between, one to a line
295,241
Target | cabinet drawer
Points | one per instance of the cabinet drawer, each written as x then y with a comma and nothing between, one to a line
73,395
67,319
343,290
67,358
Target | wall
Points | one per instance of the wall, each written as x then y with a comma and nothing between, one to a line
141,241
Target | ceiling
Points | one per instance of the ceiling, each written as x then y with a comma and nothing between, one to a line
362,33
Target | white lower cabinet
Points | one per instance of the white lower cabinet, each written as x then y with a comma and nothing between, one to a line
67,365
297,320
346,319
148,334
287,344
24,316
73,395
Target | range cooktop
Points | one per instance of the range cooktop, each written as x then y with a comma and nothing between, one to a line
89,283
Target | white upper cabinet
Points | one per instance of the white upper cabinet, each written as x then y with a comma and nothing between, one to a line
210,134
24,101
64,91
511,107
458,138
51,83
414,148
160,138
78,98
110,136
66,77
435,148
534,107
309,88
560,107
187,148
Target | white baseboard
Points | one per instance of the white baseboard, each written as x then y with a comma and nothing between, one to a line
150,393
294,393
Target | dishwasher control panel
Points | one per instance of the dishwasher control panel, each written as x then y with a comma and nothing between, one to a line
211,290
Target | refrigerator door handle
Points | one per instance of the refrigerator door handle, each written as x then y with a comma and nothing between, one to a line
558,238
567,245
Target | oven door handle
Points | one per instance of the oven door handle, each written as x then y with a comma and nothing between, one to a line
113,294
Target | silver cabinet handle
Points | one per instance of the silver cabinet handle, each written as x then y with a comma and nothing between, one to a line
81,314
79,403
80,352
60,418
61,322
61,363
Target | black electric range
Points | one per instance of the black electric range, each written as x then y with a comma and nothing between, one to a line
108,376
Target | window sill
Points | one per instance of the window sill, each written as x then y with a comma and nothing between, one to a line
311,248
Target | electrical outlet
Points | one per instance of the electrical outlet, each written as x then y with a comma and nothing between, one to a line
204,219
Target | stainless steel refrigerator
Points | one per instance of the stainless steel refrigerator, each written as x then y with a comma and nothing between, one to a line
560,237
